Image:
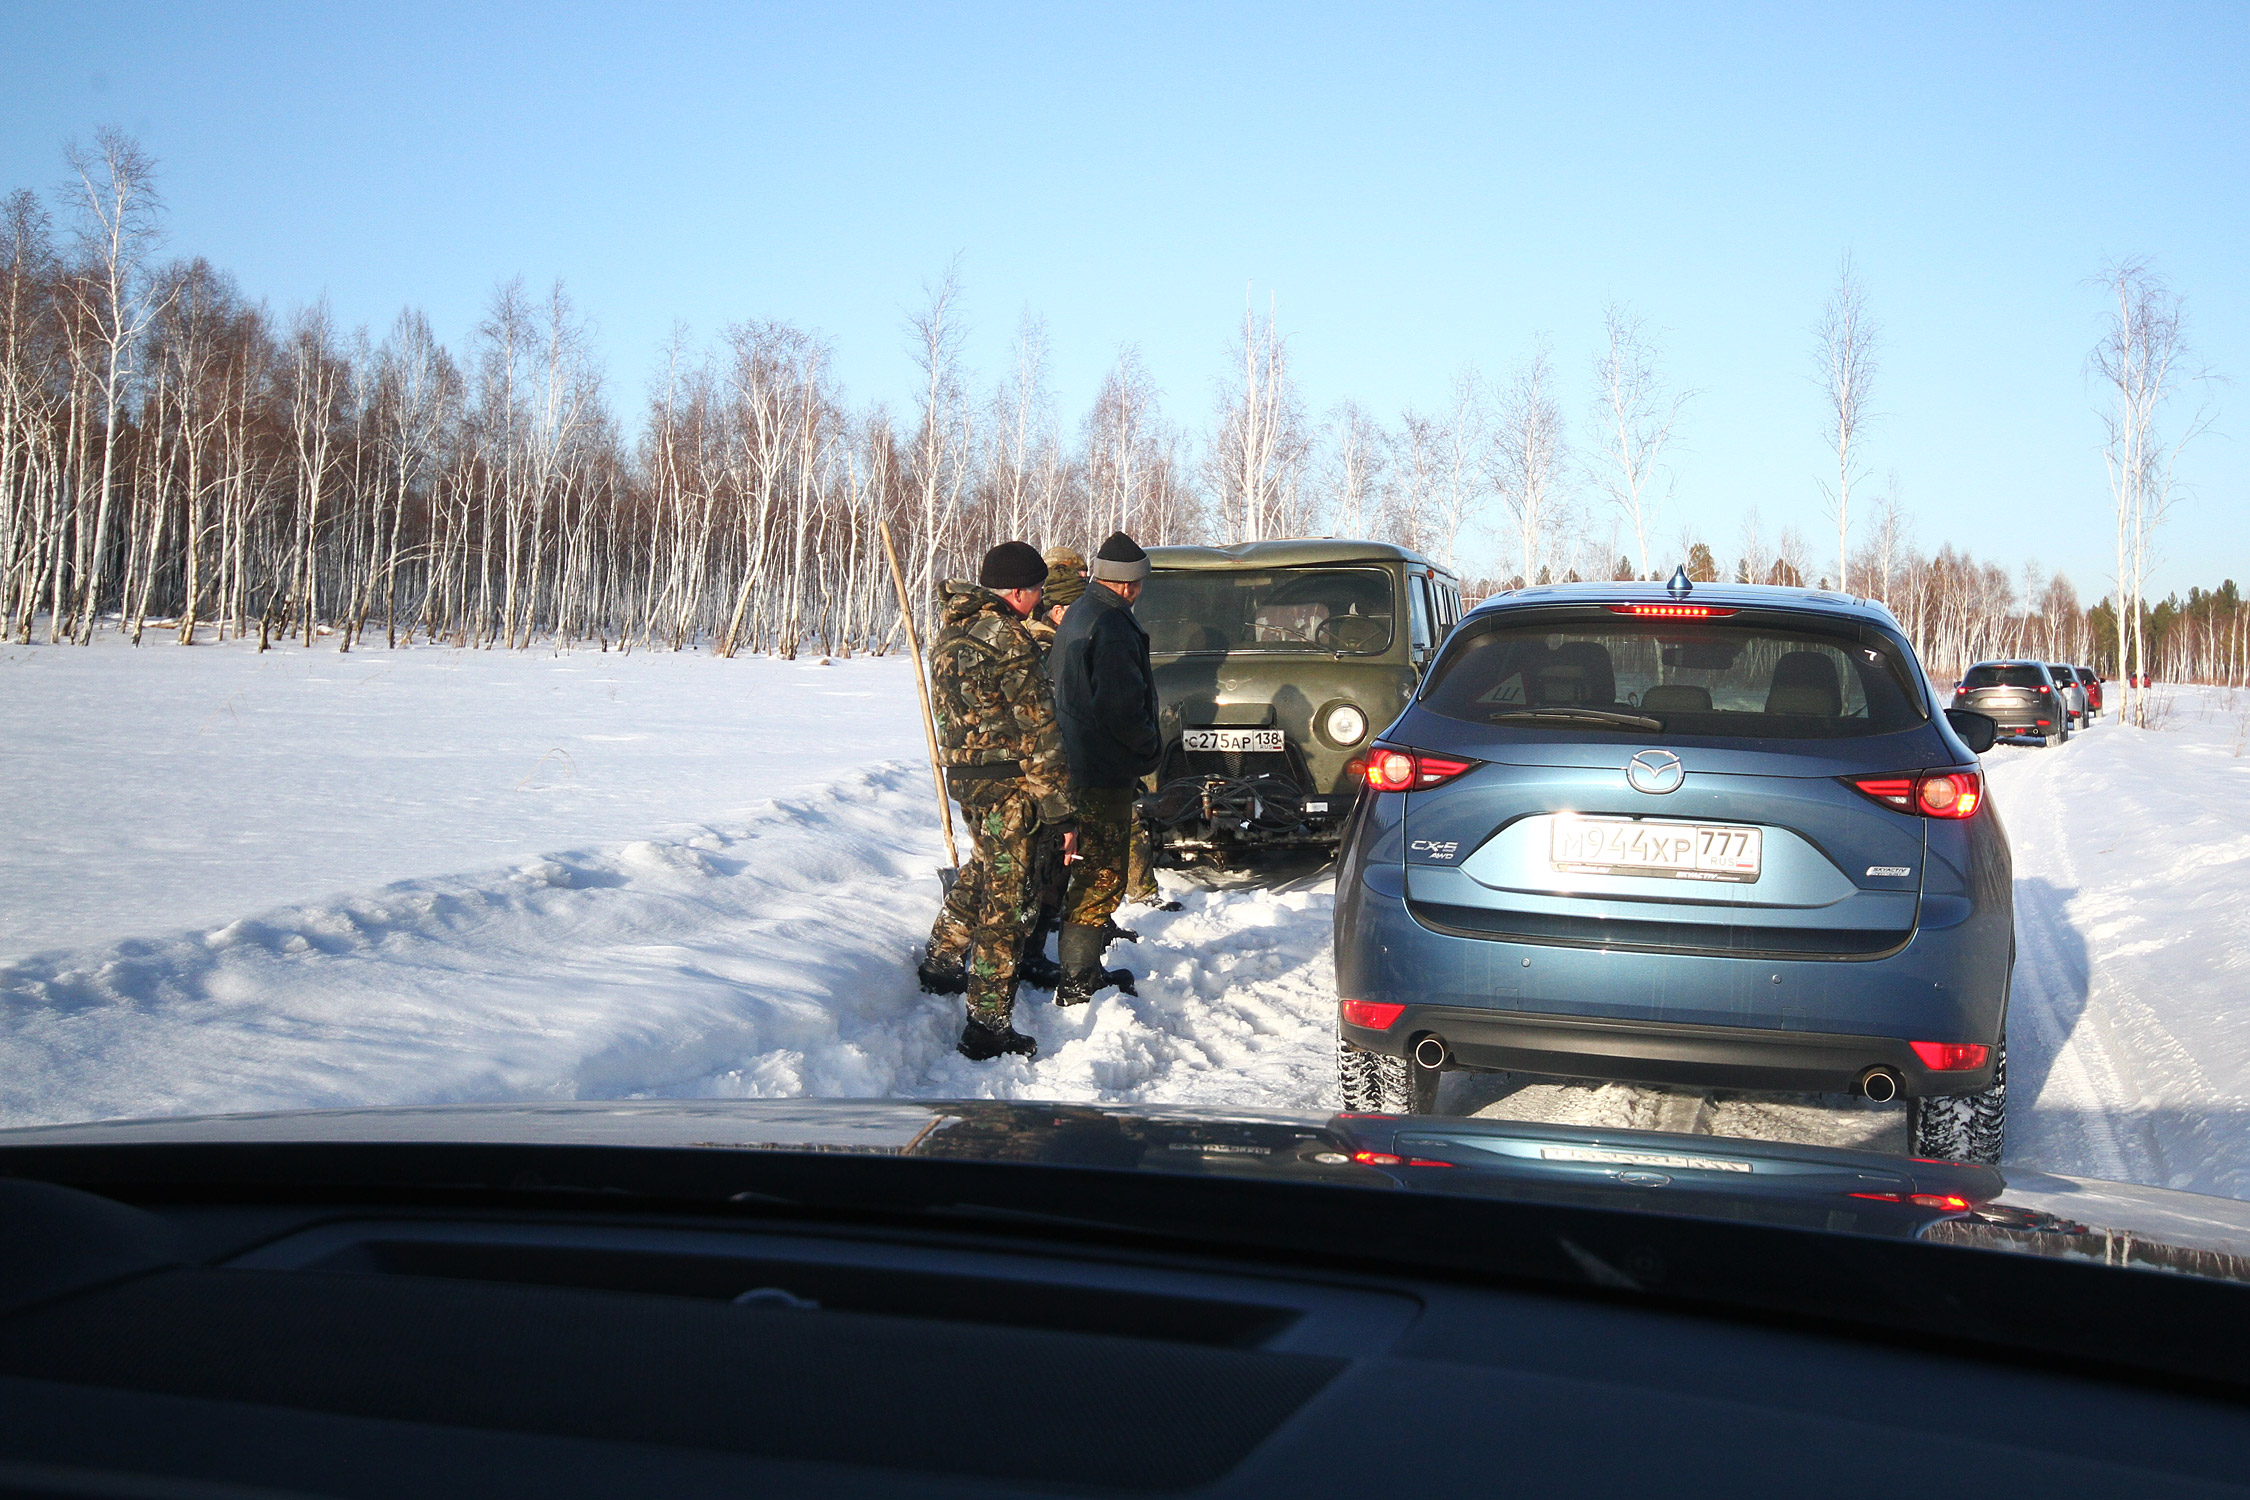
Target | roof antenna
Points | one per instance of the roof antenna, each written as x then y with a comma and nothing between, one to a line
1680,586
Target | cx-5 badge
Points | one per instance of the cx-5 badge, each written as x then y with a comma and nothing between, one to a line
1655,771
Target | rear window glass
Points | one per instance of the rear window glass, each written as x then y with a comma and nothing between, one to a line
2003,676
1348,610
1711,678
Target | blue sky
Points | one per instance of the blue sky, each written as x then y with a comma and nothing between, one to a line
1419,188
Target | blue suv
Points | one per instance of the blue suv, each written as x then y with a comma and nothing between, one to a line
1702,835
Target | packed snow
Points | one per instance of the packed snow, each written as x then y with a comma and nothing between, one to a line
247,882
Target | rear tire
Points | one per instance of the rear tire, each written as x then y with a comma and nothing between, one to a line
1375,1083
1370,1082
1963,1127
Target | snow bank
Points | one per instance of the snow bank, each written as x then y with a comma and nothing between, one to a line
768,959
159,788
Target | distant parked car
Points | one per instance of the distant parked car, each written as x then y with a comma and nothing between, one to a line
1718,837
2093,686
2073,695
2019,696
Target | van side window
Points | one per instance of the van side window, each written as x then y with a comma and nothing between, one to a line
1418,601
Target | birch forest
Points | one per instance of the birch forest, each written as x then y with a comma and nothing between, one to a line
180,462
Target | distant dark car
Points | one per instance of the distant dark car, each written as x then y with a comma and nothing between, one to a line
1727,838
2093,686
2022,697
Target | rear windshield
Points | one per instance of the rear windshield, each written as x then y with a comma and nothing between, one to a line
2006,676
1348,610
1714,677
2085,674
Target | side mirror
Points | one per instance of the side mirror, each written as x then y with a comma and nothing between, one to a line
1976,730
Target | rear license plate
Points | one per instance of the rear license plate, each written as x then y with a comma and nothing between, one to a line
1240,741
1639,846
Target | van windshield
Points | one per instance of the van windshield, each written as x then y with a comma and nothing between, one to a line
1344,610
1715,677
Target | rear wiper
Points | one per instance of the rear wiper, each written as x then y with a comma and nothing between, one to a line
1578,716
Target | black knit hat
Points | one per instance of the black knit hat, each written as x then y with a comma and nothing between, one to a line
1120,560
1013,565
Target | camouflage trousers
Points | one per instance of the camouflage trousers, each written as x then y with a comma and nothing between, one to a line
992,905
1140,867
1105,836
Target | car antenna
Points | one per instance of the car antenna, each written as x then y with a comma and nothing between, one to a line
1681,585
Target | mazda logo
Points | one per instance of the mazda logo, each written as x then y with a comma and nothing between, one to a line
1655,771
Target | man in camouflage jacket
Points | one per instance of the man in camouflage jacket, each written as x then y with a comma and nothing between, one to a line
1004,765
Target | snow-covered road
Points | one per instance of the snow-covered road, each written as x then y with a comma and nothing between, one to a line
739,908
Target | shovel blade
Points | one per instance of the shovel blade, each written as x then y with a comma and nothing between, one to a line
946,875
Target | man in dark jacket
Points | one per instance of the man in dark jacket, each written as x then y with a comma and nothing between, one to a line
1004,764
1105,697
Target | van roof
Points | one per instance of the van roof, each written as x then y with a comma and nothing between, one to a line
1292,552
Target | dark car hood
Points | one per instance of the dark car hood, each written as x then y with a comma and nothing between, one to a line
1802,1186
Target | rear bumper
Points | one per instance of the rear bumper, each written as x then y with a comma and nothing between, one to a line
1723,1057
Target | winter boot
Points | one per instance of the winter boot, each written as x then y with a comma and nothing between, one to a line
1037,969
942,976
980,1043
1083,975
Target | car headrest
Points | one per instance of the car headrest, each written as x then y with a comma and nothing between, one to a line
1805,685
1578,673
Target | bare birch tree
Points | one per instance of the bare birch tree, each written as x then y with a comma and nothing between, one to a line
1635,414
114,193
1844,358
1257,458
1529,457
2140,362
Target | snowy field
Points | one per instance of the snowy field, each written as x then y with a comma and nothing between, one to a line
244,882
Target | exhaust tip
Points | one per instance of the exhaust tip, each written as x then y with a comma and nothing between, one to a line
1879,1084
1430,1052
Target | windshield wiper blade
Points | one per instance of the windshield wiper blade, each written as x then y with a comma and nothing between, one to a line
1578,716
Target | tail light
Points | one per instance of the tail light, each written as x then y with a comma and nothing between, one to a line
1952,1202
1393,768
1375,1015
1932,794
1391,1159
1951,1057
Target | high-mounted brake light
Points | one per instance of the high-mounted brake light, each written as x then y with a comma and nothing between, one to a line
1933,794
1671,611
1391,768
1375,1015
1951,1057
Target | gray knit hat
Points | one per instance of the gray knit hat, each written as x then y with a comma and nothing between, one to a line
1120,560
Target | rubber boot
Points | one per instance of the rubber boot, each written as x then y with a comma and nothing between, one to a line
1081,957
